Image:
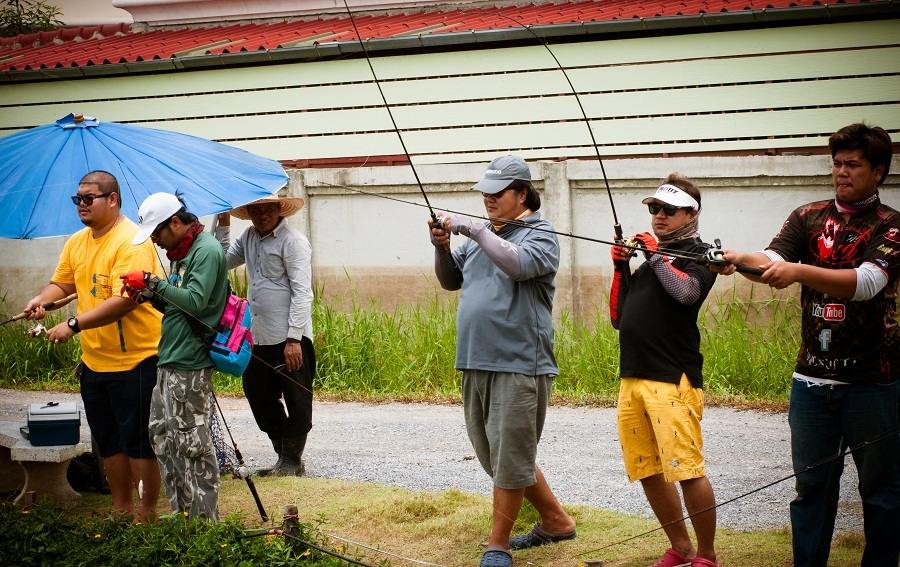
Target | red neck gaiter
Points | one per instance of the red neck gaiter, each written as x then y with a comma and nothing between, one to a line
180,251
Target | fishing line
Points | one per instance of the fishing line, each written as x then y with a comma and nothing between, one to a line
383,552
387,107
696,257
840,455
284,534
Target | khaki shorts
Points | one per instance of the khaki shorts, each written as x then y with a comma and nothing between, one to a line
504,419
659,429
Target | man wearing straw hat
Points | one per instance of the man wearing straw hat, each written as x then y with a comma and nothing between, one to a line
278,382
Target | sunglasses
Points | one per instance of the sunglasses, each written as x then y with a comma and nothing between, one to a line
496,195
88,199
669,210
154,236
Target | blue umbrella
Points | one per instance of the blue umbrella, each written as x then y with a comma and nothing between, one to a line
40,168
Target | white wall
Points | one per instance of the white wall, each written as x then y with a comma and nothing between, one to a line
366,247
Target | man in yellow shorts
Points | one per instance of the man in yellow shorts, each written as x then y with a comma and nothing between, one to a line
661,397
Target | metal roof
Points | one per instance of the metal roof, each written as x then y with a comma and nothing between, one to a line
119,48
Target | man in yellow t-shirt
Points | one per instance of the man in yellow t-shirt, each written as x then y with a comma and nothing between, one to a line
119,338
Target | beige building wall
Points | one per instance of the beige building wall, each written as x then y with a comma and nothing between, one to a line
371,249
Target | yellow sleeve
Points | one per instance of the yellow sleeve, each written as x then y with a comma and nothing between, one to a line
65,272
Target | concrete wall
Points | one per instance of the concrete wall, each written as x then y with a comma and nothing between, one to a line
368,248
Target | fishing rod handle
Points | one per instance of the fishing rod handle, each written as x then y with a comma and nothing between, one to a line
749,270
50,305
259,504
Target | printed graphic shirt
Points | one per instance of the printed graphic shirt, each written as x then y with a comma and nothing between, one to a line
845,340
94,265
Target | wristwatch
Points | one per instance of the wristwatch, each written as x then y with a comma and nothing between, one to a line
73,324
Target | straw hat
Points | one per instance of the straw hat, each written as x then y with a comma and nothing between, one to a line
289,206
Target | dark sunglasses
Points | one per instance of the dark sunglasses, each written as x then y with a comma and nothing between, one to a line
154,236
668,209
88,199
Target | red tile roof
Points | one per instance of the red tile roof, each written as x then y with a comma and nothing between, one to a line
117,43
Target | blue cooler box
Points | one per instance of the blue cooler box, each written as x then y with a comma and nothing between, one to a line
54,423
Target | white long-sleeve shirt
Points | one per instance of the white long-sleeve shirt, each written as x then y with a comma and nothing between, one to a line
280,281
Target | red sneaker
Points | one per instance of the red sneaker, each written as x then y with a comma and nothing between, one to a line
672,558
704,562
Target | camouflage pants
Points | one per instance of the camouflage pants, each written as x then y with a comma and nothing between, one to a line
179,431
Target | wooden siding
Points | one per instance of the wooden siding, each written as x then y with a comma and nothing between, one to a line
739,90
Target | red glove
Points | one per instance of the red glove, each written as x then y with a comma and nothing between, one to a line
137,285
620,255
646,241
136,280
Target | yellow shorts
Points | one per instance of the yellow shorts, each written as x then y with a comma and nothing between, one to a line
659,429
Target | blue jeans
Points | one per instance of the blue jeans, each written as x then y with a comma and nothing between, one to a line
823,420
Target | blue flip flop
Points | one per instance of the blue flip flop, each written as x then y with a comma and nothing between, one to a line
496,558
537,536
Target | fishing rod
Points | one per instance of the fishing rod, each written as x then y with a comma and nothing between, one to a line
242,471
840,455
714,256
616,226
434,219
49,306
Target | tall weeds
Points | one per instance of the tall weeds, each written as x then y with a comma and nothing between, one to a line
749,345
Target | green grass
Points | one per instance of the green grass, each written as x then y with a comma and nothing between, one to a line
367,353
447,527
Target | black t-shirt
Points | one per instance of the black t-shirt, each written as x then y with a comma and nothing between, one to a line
845,340
658,336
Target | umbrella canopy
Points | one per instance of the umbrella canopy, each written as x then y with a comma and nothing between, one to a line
40,169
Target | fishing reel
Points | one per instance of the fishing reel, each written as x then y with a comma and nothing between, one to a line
716,255
38,330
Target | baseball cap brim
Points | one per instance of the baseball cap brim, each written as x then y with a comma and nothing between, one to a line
142,235
675,198
492,186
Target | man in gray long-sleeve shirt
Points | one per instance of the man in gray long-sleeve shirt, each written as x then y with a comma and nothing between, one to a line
278,260
504,346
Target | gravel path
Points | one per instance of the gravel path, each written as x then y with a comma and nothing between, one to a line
424,447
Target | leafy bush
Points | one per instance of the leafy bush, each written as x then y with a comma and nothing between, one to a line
45,536
26,16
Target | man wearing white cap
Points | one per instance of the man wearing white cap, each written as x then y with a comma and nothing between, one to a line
504,347
660,405
191,299
283,366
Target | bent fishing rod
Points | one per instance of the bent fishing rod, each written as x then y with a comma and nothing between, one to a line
49,306
714,256
362,45
616,226
840,455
